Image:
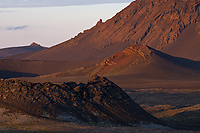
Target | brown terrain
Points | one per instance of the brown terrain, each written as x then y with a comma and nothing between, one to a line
150,50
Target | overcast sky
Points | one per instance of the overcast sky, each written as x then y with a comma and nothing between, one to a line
38,3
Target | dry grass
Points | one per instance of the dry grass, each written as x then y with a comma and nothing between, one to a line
172,112
178,108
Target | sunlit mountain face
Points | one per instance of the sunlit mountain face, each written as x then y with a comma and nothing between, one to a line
44,3
51,25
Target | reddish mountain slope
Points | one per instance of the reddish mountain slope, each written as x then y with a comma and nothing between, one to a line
20,50
155,23
131,56
142,62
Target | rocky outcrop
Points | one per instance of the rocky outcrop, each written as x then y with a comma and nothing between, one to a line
100,100
131,56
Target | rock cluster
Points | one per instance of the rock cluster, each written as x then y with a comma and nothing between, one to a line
100,100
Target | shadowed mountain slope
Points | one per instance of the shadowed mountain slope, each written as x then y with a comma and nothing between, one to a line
36,68
20,50
187,45
164,66
99,101
155,23
10,74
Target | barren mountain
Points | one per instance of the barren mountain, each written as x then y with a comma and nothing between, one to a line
99,101
142,62
20,50
155,23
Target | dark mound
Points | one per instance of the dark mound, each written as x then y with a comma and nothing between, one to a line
100,100
155,23
20,50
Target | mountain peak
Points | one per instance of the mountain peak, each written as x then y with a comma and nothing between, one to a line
99,22
35,44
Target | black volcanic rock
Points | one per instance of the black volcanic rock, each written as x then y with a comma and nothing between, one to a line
100,100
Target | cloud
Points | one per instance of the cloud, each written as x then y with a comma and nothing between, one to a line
12,28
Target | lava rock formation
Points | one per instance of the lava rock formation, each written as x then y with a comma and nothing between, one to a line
100,100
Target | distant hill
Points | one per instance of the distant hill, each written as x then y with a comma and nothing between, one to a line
20,50
155,23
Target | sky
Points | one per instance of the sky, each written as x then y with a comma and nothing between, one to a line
52,25
39,3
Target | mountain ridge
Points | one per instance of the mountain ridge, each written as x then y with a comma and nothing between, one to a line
155,23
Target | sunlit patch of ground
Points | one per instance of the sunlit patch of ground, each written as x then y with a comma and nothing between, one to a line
179,108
